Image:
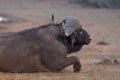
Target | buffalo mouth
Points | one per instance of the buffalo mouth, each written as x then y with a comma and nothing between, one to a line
87,42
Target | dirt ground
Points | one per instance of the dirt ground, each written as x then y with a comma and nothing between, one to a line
102,24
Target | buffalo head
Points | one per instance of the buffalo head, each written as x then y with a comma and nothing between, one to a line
75,36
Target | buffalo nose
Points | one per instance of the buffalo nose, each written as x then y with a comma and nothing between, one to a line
90,39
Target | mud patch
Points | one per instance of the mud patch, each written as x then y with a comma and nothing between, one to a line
102,59
102,43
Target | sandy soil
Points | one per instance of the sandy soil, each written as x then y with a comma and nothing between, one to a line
102,24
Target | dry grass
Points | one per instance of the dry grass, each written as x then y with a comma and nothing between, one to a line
102,24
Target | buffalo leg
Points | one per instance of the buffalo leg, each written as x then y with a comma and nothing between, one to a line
61,64
72,61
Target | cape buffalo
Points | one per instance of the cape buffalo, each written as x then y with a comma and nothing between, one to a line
44,48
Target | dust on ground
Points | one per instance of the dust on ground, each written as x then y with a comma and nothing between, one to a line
102,24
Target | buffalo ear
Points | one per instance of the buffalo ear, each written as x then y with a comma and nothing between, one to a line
70,25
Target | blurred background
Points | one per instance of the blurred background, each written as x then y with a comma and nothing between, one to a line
100,18
98,3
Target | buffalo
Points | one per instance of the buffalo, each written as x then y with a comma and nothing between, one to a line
44,48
